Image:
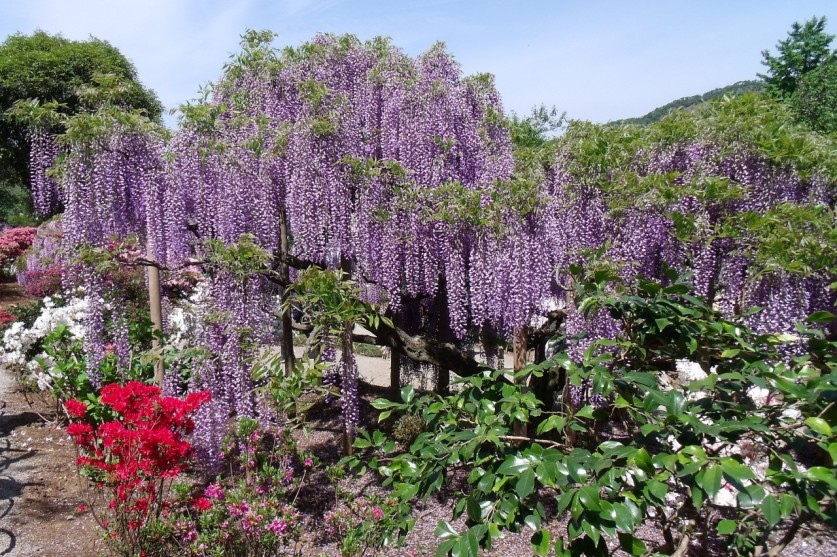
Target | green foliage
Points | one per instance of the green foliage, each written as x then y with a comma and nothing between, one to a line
660,452
368,350
359,524
408,428
332,300
537,129
798,239
27,313
815,100
63,355
292,395
47,68
249,513
240,259
805,49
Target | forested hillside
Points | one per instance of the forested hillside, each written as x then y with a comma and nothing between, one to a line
690,102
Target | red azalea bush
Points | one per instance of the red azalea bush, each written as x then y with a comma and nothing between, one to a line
13,242
5,318
130,459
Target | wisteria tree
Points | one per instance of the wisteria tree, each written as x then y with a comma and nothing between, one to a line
399,175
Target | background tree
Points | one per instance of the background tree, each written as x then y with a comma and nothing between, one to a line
51,68
815,100
805,49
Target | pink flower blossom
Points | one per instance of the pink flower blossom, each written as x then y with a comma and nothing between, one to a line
278,527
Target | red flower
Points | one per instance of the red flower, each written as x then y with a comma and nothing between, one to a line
75,408
139,449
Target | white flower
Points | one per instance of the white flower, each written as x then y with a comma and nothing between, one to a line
689,371
758,395
791,413
18,340
725,497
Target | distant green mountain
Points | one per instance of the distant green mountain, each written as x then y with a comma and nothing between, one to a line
689,102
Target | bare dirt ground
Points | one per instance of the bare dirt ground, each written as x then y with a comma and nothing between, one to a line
39,488
11,294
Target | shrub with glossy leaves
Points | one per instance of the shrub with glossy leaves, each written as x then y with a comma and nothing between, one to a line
740,440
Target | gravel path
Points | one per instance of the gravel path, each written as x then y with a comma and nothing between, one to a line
39,488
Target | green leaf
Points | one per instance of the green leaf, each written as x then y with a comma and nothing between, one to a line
590,498
752,496
643,461
473,543
361,443
730,353
486,482
525,484
591,530
445,548
819,425
540,542
565,500
553,422
736,473
585,412
408,393
662,323
822,474
820,317
658,490
493,531
631,544
623,518
726,527
533,522
712,481
513,466
770,508
561,550
445,531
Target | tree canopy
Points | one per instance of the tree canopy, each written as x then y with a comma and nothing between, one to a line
806,48
815,100
51,68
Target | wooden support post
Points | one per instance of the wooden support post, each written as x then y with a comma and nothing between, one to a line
285,277
156,307
348,351
519,359
443,383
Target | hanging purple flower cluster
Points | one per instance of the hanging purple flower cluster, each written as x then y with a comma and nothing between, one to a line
345,140
43,151
711,187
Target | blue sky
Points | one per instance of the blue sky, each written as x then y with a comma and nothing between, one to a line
596,60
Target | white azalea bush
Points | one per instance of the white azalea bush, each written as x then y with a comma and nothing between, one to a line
45,351
22,351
